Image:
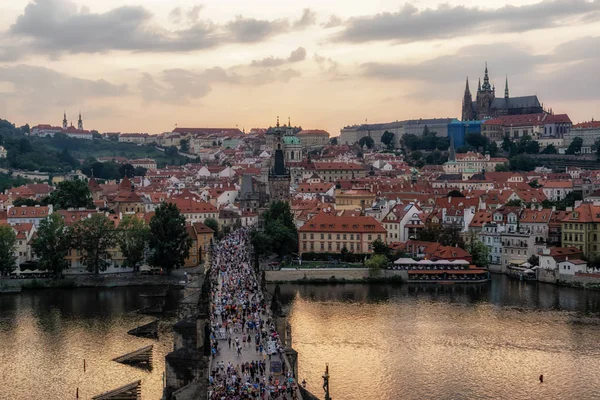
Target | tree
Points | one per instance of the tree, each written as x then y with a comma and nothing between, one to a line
388,139
127,170
168,238
410,141
19,201
133,240
70,194
501,168
95,236
8,241
366,141
455,193
185,145
476,140
479,253
140,171
333,141
533,147
447,235
377,261
171,151
261,246
596,147
212,224
550,149
514,203
534,184
493,149
534,260
521,163
52,244
575,146
379,247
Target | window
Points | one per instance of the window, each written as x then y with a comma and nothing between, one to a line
322,236
351,236
311,236
344,236
304,236
338,236
369,237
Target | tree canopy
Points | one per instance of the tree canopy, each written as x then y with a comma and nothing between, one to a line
575,146
366,141
70,194
169,240
52,244
388,139
8,241
95,236
133,238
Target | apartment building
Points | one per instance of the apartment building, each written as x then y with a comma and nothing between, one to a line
327,233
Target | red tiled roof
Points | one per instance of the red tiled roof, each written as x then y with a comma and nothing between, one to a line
331,223
586,125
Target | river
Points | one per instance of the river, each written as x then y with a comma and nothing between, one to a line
447,342
45,335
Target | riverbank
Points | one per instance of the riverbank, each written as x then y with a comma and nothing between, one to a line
585,281
315,276
102,281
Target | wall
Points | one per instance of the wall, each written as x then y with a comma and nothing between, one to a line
291,275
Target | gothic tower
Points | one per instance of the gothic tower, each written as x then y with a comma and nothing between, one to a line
80,122
279,175
467,104
65,123
506,89
485,97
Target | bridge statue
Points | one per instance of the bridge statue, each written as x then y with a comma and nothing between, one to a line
326,382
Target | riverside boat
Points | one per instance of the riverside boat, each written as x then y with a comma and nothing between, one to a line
441,271
521,272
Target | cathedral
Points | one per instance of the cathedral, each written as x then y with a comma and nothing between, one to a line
487,105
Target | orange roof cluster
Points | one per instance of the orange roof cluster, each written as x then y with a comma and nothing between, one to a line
331,223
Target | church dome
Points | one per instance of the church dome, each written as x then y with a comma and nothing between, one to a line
288,140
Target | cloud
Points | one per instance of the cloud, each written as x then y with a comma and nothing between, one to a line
180,86
326,64
175,15
37,88
551,74
56,27
333,21
254,30
295,56
446,21
307,19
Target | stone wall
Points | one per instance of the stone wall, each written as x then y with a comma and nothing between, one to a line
578,280
351,274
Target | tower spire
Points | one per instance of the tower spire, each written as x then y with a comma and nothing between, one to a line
80,122
278,121
479,85
486,79
506,89
467,105
65,122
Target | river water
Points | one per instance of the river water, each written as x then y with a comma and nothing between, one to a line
45,336
447,342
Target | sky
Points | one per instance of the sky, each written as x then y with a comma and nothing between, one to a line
152,65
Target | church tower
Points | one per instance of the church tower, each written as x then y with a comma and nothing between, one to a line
467,104
65,123
506,89
485,97
80,122
279,175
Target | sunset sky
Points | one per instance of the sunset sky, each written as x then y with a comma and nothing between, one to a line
150,64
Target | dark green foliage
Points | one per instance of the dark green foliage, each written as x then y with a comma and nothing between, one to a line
214,225
168,238
185,145
140,171
366,141
279,234
388,139
476,140
94,236
133,240
455,193
25,202
107,170
7,181
8,241
52,244
127,170
550,149
334,141
521,163
568,201
447,235
514,203
70,194
575,146
171,151
501,168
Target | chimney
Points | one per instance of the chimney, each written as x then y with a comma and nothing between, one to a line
553,208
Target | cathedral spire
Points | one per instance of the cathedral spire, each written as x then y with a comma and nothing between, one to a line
506,89
479,85
278,121
467,105
467,90
486,79
80,122
65,122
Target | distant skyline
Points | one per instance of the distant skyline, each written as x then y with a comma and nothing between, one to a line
147,65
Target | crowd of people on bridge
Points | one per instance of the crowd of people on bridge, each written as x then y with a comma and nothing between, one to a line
244,340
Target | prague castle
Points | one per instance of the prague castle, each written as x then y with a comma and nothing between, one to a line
487,105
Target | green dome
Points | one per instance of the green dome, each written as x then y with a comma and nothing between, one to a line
287,140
